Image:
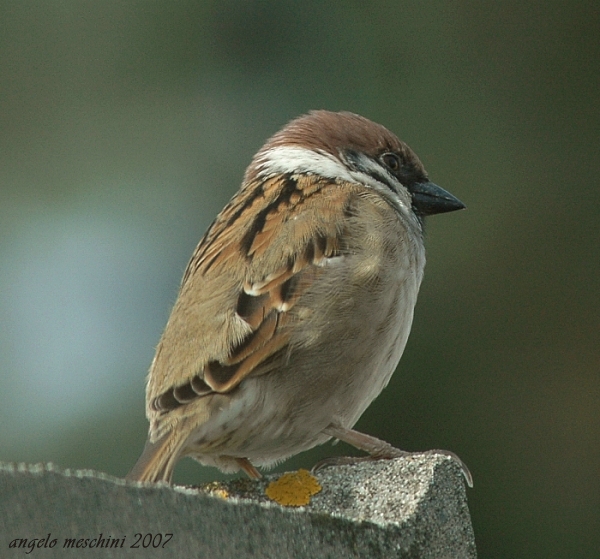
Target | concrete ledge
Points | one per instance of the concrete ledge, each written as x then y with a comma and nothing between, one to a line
408,507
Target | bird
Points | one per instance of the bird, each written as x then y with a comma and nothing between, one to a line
297,303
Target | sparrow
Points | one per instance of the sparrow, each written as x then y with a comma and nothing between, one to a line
297,303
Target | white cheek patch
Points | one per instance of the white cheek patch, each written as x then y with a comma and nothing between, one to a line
294,159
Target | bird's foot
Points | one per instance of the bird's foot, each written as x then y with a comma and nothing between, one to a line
378,450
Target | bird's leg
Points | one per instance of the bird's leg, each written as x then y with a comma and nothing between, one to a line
378,450
247,466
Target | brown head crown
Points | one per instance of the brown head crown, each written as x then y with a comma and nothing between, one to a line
331,132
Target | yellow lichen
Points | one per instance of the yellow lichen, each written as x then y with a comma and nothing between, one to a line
216,489
221,493
293,489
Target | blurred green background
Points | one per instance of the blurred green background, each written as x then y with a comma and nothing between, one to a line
126,126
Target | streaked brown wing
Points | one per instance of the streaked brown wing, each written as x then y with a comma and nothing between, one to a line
264,250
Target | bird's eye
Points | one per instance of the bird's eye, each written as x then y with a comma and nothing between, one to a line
391,161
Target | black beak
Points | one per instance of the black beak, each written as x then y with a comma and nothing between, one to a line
429,198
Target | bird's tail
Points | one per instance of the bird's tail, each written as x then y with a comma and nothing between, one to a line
158,460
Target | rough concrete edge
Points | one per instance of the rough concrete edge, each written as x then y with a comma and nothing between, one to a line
255,497
411,528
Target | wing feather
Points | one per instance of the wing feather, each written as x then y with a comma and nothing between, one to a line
242,287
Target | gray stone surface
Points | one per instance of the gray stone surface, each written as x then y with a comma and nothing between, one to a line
409,507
